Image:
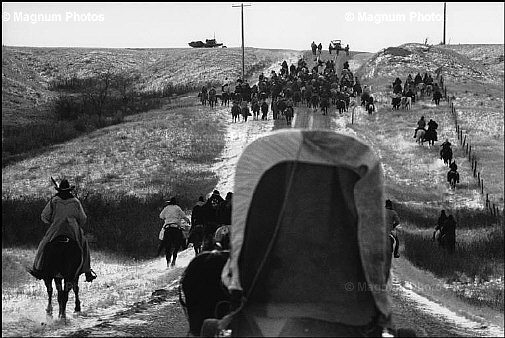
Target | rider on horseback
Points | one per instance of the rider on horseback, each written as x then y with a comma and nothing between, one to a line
453,166
392,220
446,146
440,226
421,124
66,216
172,215
453,175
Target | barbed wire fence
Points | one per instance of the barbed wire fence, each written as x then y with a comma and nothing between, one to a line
470,154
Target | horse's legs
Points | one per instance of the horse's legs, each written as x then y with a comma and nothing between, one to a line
75,287
62,297
174,256
168,253
49,287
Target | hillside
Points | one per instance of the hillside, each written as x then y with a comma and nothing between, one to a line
27,72
473,76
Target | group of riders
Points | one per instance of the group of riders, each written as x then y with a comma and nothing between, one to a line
446,153
417,87
316,87
210,221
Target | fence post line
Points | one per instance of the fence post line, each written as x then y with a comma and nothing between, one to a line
475,169
469,152
482,187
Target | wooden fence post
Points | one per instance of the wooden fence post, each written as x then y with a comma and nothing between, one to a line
469,152
475,169
482,187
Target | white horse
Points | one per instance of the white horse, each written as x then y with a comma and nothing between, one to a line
420,136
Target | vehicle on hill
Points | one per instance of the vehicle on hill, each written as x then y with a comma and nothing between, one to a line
336,45
209,43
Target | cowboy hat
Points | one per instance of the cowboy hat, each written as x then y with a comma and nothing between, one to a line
65,186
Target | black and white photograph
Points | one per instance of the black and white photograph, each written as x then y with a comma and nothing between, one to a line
264,169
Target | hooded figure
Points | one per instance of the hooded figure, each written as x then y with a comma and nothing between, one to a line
66,217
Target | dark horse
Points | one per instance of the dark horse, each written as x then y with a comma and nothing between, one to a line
61,262
289,112
430,136
201,292
446,155
196,237
173,241
235,113
453,178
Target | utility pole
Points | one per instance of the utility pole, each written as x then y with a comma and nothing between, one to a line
444,23
243,53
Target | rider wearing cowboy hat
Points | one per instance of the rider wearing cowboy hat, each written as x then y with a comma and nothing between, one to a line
66,217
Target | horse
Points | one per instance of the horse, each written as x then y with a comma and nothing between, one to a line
235,113
406,102
255,106
173,241
212,98
225,99
264,110
297,97
453,178
429,90
196,237
421,88
364,98
203,97
340,105
446,155
396,102
420,136
324,104
314,100
201,292
289,113
62,260
370,108
430,136
437,95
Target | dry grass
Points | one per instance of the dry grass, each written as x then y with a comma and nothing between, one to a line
28,71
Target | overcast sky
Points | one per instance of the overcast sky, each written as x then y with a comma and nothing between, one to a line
364,26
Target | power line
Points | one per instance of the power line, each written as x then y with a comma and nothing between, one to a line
243,53
444,23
